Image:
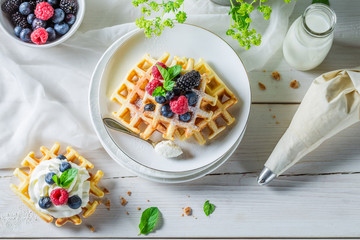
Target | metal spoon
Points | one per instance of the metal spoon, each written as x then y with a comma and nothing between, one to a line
115,125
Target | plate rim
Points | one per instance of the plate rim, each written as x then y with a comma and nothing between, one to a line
118,155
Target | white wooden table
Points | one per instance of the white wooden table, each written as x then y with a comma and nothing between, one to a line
319,197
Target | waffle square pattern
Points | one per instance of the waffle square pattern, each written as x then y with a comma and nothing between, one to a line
208,115
30,162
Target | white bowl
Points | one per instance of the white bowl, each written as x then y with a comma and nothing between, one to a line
7,26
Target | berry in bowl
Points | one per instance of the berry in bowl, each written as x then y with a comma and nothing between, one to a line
41,23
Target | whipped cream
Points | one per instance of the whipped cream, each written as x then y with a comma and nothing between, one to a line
39,188
168,149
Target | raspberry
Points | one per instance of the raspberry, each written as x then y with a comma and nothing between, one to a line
155,71
150,87
59,196
39,36
179,105
44,11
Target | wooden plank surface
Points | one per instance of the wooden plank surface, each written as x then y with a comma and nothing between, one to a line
319,197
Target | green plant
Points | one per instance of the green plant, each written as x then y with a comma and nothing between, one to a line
209,208
66,178
148,220
239,29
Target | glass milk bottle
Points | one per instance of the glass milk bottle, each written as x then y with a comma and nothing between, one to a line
310,37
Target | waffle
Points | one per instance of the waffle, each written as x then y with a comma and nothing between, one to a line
132,97
31,162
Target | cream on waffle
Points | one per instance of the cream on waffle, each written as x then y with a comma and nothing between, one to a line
210,107
72,157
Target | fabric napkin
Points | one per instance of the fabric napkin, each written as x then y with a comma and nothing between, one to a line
44,92
331,104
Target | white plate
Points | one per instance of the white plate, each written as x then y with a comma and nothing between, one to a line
183,40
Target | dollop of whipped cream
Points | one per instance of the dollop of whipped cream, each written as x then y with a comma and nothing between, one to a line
39,188
168,149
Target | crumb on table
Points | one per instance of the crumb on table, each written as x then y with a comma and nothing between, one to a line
187,211
148,200
264,70
92,229
138,208
276,75
123,201
107,204
106,191
274,116
128,193
294,84
182,214
262,86
277,122
127,213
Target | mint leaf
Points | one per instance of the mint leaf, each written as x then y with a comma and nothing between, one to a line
148,220
174,71
321,1
164,73
209,208
68,177
56,180
168,85
159,91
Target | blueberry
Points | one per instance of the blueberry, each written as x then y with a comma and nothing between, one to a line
177,91
64,166
48,178
185,117
25,8
17,30
53,2
170,95
160,99
25,35
45,202
61,157
74,202
30,18
149,107
70,19
61,28
191,97
166,111
58,16
51,37
38,23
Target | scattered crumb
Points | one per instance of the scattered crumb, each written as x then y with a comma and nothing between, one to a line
264,70
294,84
262,86
188,211
107,204
274,116
275,75
195,217
128,193
138,208
92,229
106,191
277,122
123,201
270,109
182,208
188,196
148,200
127,213
182,214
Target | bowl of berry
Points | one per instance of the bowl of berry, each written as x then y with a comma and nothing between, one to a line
41,23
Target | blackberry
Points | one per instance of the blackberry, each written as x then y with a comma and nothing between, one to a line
69,6
19,20
189,80
39,1
10,6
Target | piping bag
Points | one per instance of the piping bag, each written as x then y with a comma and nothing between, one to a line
331,104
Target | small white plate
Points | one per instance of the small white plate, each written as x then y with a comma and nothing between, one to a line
182,40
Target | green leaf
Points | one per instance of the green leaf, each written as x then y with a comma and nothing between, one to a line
208,208
169,85
174,71
68,177
159,91
148,220
164,73
321,1
56,180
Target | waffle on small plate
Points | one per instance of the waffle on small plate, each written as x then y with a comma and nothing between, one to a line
214,99
31,162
